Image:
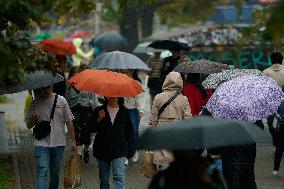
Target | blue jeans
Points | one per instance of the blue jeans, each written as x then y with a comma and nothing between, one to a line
218,165
135,119
48,158
118,173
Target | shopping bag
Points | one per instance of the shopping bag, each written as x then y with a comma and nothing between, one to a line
72,172
148,168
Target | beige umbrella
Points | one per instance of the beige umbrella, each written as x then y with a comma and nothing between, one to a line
276,72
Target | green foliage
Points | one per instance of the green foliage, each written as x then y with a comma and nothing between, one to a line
171,12
7,175
275,24
3,99
17,54
178,12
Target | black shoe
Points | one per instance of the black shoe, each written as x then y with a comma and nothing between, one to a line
86,156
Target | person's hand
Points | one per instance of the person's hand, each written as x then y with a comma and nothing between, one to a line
34,114
141,114
73,147
102,115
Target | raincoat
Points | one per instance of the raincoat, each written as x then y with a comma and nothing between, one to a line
178,109
77,58
276,72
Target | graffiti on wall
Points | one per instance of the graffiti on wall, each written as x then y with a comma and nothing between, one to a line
248,58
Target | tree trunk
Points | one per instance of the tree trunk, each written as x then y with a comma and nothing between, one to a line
147,20
128,25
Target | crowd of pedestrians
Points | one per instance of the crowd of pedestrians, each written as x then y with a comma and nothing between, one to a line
115,123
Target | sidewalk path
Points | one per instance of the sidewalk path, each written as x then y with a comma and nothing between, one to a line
134,180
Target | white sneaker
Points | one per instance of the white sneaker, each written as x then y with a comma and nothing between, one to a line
275,172
126,162
135,157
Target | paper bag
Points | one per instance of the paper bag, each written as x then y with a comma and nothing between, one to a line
148,168
72,172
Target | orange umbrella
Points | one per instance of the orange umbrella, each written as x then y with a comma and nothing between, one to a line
106,83
58,47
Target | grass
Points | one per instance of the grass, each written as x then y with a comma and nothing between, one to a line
3,99
7,175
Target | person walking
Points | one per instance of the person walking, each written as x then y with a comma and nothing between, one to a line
136,109
197,96
238,164
82,105
49,150
154,81
169,64
114,140
278,122
276,72
168,106
80,55
187,171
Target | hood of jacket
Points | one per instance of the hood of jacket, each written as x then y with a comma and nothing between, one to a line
173,82
277,67
77,42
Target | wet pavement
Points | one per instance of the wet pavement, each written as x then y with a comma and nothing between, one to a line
134,179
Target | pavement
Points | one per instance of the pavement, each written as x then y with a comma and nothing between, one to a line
25,162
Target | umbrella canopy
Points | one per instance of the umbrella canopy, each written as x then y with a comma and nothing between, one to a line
200,132
42,36
111,41
199,66
143,48
119,60
34,80
106,83
214,80
81,34
249,98
170,45
58,47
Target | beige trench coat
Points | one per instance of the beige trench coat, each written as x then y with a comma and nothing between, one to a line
178,109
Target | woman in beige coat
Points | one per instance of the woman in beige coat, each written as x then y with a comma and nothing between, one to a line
178,109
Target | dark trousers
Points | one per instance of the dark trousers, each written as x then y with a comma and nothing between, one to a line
277,158
82,124
240,176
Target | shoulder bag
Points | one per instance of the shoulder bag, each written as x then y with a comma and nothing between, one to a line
167,103
43,128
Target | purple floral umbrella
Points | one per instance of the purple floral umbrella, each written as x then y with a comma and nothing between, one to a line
247,98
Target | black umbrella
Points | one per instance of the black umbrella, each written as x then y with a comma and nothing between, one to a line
111,41
200,132
199,66
34,80
170,45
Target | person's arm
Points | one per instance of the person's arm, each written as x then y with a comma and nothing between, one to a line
140,102
84,55
154,114
71,132
130,136
68,117
187,110
31,116
98,118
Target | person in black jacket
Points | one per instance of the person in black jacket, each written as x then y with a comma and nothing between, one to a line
238,164
187,171
113,142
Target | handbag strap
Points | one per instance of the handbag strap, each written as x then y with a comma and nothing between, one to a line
167,103
53,107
